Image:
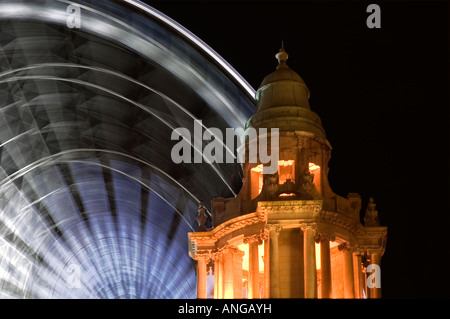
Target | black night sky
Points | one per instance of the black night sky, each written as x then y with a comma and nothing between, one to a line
382,95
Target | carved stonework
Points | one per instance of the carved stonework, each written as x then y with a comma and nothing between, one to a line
265,234
258,238
365,260
201,217
371,216
311,208
306,188
324,237
205,256
236,224
216,255
274,227
345,246
340,221
306,226
270,188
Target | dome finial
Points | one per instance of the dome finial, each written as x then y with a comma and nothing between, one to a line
281,55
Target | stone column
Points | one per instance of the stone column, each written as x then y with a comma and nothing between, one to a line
227,274
201,277
358,275
274,232
375,260
217,275
309,260
232,273
220,279
237,273
325,264
349,283
266,266
253,269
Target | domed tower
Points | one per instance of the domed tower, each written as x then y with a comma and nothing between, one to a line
287,234
283,103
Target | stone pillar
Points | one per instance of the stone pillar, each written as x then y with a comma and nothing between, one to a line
220,279
201,277
267,266
349,283
274,232
217,275
227,274
237,273
375,260
253,269
358,275
325,264
309,259
232,273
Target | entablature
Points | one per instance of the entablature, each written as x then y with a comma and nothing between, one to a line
289,214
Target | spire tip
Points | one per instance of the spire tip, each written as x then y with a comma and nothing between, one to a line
281,55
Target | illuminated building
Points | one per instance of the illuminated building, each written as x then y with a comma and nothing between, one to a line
288,235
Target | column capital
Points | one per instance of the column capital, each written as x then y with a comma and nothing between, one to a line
205,256
216,255
358,251
376,251
258,238
320,237
276,227
264,234
307,226
345,246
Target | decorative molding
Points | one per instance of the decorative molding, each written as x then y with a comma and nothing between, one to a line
325,223
274,227
358,251
204,256
229,226
341,221
306,226
295,206
216,255
345,246
320,237
258,238
265,234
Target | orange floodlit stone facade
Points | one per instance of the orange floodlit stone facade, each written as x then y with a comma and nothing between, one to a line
288,235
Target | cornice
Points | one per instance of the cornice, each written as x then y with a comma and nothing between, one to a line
229,227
